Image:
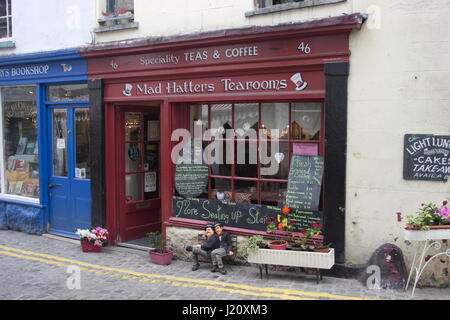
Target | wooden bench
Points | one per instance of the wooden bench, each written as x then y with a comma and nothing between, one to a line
231,258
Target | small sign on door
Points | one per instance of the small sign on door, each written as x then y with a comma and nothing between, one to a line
60,143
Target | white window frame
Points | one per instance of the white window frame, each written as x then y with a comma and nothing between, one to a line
8,18
3,194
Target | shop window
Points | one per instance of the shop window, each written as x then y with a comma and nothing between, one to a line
251,138
72,92
19,142
5,19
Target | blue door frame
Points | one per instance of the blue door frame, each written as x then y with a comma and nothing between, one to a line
69,205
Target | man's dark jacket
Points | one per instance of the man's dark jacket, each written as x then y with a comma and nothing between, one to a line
225,242
211,243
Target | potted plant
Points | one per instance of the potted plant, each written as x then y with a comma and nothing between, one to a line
251,244
430,216
107,18
92,240
159,254
124,15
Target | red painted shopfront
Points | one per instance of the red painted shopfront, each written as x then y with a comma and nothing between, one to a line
288,77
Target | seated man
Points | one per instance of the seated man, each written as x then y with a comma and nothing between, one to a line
225,249
211,242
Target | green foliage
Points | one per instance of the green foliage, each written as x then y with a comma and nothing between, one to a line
428,215
156,241
251,244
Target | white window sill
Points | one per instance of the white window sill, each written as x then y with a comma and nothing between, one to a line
6,43
290,6
116,23
19,200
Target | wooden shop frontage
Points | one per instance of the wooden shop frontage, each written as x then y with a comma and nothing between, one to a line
287,83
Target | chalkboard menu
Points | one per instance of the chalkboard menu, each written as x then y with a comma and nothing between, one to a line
191,174
238,215
304,182
426,157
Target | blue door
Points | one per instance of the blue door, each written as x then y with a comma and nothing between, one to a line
69,179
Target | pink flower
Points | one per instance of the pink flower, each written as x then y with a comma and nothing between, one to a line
444,212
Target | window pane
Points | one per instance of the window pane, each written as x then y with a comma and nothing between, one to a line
221,189
82,166
133,187
124,5
246,117
246,159
275,116
3,4
132,126
60,142
278,165
273,193
3,28
151,126
68,92
221,117
151,158
198,118
133,156
10,27
20,141
306,122
245,191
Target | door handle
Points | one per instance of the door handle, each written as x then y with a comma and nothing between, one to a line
51,186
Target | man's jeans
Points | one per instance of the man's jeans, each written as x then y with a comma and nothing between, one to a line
217,255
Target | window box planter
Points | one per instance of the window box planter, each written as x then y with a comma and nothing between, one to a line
290,258
435,233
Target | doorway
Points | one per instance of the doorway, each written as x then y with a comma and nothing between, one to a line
69,179
139,173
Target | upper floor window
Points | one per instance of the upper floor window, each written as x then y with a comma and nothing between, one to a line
5,19
272,6
119,7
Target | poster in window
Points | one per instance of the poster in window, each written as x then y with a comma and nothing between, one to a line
152,129
150,181
21,145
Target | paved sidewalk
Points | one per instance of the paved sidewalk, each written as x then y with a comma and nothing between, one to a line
36,267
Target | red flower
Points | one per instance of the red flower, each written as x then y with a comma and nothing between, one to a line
280,226
444,203
285,210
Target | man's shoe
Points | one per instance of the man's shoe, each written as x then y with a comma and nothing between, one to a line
195,267
222,271
215,269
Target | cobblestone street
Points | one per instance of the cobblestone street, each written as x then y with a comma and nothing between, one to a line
36,267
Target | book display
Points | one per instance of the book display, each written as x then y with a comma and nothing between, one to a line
22,169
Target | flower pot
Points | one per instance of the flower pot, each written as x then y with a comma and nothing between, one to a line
90,247
161,258
278,245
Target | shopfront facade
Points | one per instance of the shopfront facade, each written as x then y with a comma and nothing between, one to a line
44,167
286,83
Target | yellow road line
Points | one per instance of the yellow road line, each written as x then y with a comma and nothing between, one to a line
213,283
167,282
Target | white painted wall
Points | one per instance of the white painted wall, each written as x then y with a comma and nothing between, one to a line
50,25
399,83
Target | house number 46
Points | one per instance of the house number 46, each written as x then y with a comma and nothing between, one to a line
304,48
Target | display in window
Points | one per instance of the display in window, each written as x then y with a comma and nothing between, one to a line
20,141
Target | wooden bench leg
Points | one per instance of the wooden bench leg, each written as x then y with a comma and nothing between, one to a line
260,270
267,272
319,275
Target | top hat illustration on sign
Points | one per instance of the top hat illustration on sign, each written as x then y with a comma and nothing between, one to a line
127,91
298,81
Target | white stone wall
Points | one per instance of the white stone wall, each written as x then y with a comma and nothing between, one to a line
50,25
